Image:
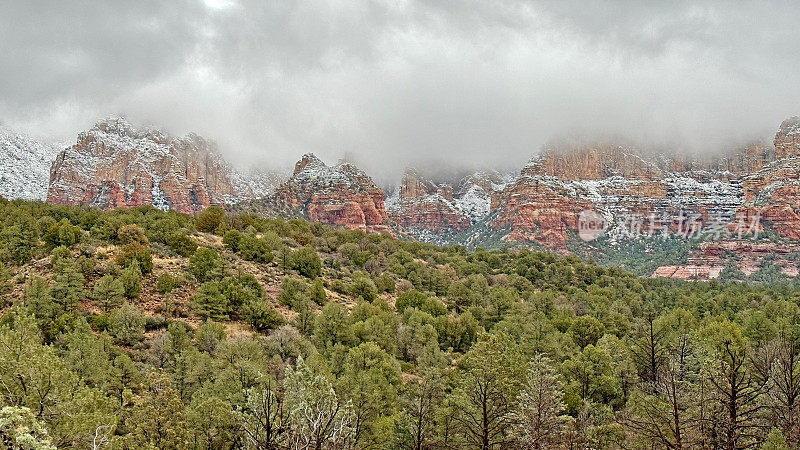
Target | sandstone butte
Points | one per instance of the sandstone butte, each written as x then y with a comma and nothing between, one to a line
543,204
115,165
423,205
338,195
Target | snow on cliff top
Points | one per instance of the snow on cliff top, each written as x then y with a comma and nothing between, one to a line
790,126
313,172
112,135
24,165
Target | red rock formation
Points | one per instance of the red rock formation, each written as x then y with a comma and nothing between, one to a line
689,272
748,160
432,213
116,165
787,139
738,190
593,162
537,211
423,206
338,195
773,193
708,262
413,186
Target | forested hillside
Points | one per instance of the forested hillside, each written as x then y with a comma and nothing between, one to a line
138,328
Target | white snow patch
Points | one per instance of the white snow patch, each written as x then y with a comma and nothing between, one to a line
24,165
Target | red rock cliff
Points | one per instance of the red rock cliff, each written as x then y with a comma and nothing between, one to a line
787,139
423,207
337,195
116,165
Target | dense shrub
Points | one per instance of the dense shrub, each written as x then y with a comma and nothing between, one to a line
262,316
165,283
255,249
294,293
210,220
231,240
205,264
132,234
131,279
181,243
306,262
385,283
138,252
318,294
420,301
17,243
127,324
62,233
363,287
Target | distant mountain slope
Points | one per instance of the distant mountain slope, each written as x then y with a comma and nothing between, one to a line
434,212
24,165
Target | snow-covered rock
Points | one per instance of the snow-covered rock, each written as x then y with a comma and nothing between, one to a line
24,165
439,212
116,164
340,194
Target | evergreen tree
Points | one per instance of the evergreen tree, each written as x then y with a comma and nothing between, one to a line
538,417
131,280
209,302
490,380
316,416
68,289
109,292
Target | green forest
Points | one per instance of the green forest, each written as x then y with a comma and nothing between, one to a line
139,328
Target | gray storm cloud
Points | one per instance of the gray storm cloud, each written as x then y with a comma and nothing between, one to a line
396,83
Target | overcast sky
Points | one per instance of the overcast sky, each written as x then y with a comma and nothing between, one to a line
396,82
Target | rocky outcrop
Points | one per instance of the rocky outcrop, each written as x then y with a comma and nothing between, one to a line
423,206
473,194
709,261
534,210
430,211
633,193
24,165
689,272
115,165
413,186
337,195
433,213
641,194
787,139
773,192
747,160
595,161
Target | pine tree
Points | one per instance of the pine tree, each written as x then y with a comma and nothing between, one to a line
539,413
109,292
209,302
317,417
131,279
318,293
68,289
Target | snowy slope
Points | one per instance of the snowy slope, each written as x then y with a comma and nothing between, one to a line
473,196
24,165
